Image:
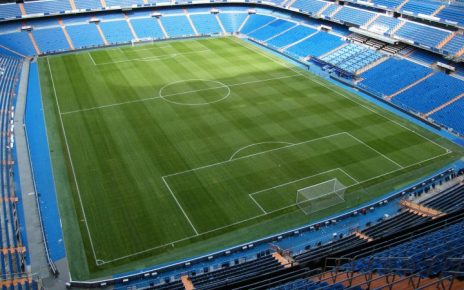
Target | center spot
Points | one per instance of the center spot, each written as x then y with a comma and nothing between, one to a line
194,92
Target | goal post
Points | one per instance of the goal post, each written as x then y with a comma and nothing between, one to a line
320,196
142,41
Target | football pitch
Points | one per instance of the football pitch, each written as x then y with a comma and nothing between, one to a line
165,146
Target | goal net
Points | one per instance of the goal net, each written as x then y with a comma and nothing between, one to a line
320,196
142,41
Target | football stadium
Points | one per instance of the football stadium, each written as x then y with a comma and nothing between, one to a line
206,144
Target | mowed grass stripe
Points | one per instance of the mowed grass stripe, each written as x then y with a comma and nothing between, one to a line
229,183
122,152
119,78
338,91
146,79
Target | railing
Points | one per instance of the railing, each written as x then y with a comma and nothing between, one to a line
345,264
53,268
391,275
263,3
402,239
50,262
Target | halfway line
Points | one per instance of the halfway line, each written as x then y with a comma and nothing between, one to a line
161,97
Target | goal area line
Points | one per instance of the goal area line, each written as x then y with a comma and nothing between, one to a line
252,196
355,182
172,243
307,177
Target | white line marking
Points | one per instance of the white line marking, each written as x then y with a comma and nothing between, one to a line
261,215
283,208
271,150
406,167
354,100
264,80
53,170
254,154
352,178
158,97
375,150
283,147
132,49
153,58
259,143
178,203
193,91
300,179
220,85
109,106
257,203
72,165
200,43
91,58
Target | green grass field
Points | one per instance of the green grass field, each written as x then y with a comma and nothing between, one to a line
178,148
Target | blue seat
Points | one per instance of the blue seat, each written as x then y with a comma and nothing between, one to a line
316,45
206,23
177,26
392,75
232,21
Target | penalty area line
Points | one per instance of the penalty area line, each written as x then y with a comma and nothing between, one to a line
254,154
172,243
200,234
91,58
257,203
375,150
336,89
259,143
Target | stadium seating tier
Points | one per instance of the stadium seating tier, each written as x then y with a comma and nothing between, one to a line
177,26
147,28
316,45
232,21
273,29
206,23
430,93
394,74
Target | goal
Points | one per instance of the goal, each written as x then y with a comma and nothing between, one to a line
142,41
320,196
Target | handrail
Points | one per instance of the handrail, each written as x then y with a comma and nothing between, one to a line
429,265
10,185
398,240
440,281
50,262
269,4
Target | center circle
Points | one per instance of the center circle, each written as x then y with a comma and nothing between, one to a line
194,92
